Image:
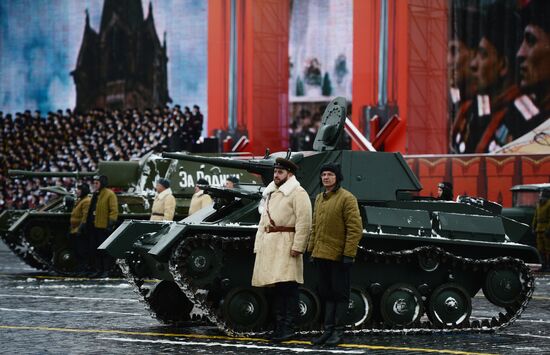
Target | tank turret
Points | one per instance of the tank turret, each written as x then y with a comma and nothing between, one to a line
417,255
40,237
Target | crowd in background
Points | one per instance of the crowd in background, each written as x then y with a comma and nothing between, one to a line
67,141
303,129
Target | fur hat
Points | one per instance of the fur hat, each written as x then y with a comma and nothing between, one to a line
447,189
84,189
233,179
282,163
335,168
202,181
164,182
103,180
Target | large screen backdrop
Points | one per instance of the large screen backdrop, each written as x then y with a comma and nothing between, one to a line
40,43
499,76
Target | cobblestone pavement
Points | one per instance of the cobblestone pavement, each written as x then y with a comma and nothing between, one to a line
44,314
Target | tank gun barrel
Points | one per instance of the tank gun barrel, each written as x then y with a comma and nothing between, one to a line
31,174
262,167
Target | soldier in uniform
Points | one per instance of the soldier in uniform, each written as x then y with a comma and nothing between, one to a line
164,205
79,240
541,228
100,221
445,191
199,199
533,58
464,28
336,231
232,182
475,129
280,242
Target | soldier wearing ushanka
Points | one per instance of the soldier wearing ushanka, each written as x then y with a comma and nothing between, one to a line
335,234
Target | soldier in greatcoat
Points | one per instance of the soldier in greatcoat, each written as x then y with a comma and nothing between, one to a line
280,242
164,206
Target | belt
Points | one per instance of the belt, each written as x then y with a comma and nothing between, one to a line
273,229
157,214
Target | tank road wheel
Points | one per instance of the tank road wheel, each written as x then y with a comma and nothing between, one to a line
245,309
204,265
450,305
502,286
401,305
360,308
169,303
64,260
309,309
37,236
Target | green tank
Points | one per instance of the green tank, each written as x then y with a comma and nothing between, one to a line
524,202
40,237
418,256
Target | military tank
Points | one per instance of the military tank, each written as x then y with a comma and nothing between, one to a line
40,237
419,264
524,202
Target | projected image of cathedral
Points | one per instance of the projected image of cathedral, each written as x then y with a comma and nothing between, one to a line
124,65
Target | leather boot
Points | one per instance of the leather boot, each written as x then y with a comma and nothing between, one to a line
339,318
287,330
279,317
328,325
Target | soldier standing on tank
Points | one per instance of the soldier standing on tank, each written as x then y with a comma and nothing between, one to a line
164,205
541,228
280,242
445,191
199,200
79,240
336,232
100,221
232,182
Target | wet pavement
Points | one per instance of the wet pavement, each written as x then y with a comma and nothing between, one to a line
45,314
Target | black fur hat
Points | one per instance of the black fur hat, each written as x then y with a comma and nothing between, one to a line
335,168
282,163
233,179
447,188
202,181
84,190
103,180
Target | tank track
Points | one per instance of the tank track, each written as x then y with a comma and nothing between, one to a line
48,265
32,257
24,252
137,285
497,322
